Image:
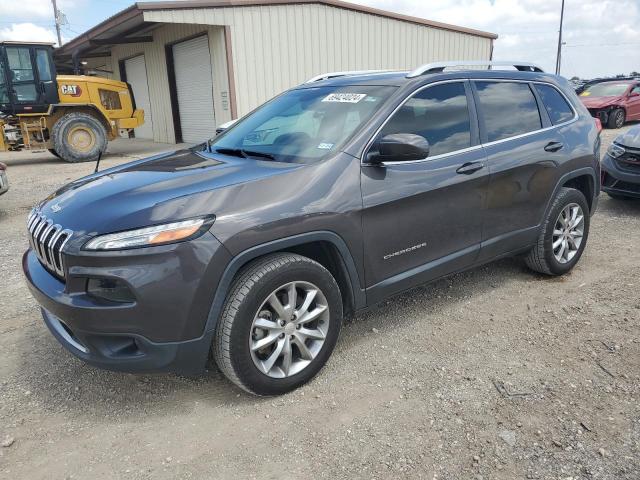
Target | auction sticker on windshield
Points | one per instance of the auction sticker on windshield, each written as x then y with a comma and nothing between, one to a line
344,97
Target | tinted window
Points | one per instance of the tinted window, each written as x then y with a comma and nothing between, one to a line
440,114
636,89
508,109
44,70
4,95
20,64
557,107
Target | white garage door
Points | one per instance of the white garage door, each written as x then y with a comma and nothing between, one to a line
136,70
194,86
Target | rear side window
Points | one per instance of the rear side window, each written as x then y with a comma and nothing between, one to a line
557,107
440,114
508,109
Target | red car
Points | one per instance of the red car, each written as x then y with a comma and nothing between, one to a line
613,102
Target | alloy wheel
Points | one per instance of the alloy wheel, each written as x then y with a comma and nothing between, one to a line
568,233
289,329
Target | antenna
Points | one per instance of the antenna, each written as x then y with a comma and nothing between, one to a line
98,162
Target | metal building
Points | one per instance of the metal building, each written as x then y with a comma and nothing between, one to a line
195,64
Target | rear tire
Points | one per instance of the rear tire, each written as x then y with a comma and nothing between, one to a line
559,246
53,152
617,118
79,137
270,351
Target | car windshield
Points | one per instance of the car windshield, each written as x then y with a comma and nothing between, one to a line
303,125
605,90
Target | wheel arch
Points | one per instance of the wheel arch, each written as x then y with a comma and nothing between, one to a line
325,247
583,179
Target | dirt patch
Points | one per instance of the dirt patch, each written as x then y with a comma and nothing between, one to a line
496,373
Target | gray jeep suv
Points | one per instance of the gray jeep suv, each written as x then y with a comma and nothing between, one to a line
252,248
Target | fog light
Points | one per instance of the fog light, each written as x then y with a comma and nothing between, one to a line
110,289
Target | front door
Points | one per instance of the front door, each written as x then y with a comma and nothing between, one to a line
423,219
22,76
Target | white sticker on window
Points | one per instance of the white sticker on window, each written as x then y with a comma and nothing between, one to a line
344,97
325,146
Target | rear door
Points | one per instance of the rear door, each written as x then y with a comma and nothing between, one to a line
423,218
523,152
633,103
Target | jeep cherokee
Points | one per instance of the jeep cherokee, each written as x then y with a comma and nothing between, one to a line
326,200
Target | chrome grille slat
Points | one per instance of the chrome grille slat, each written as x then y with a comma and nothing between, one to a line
48,239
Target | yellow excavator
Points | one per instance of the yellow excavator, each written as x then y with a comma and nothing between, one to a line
72,116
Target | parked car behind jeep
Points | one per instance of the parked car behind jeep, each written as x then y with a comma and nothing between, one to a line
614,103
4,180
621,166
325,201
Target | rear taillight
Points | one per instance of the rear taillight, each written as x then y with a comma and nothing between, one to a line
598,124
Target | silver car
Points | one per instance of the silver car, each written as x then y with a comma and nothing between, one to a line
4,181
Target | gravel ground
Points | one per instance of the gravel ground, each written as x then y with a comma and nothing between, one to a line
496,373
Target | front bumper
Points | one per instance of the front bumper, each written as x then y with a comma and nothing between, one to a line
618,180
162,330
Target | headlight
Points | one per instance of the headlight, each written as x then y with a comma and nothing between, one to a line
616,151
150,236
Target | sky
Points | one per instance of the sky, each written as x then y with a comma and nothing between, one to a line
602,36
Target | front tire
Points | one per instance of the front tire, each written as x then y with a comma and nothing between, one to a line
279,324
563,236
79,137
617,118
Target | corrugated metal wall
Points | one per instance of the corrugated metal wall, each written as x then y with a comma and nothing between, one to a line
277,47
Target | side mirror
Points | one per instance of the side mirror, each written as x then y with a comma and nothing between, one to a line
398,147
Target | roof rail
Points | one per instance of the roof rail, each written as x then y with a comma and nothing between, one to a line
440,66
328,75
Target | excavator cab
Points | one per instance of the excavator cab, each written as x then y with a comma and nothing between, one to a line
27,78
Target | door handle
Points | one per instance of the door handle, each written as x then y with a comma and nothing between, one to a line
470,167
553,146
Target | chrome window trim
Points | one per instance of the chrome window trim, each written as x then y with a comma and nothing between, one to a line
576,116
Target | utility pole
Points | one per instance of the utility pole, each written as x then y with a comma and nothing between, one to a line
559,55
56,15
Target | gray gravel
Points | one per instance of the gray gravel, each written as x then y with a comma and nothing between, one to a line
496,373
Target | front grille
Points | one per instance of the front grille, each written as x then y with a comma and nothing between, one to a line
630,160
47,241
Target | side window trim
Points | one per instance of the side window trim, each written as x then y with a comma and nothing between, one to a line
483,131
476,142
542,110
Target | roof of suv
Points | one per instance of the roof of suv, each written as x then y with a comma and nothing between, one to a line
400,78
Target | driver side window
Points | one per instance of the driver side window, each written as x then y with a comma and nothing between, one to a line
440,114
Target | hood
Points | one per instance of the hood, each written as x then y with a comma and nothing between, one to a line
160,189
599,102
631,138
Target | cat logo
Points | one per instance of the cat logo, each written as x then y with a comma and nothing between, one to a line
73,90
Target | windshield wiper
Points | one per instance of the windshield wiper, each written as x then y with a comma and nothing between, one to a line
236,152
239,152
250,153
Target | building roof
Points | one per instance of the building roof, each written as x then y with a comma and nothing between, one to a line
130,21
